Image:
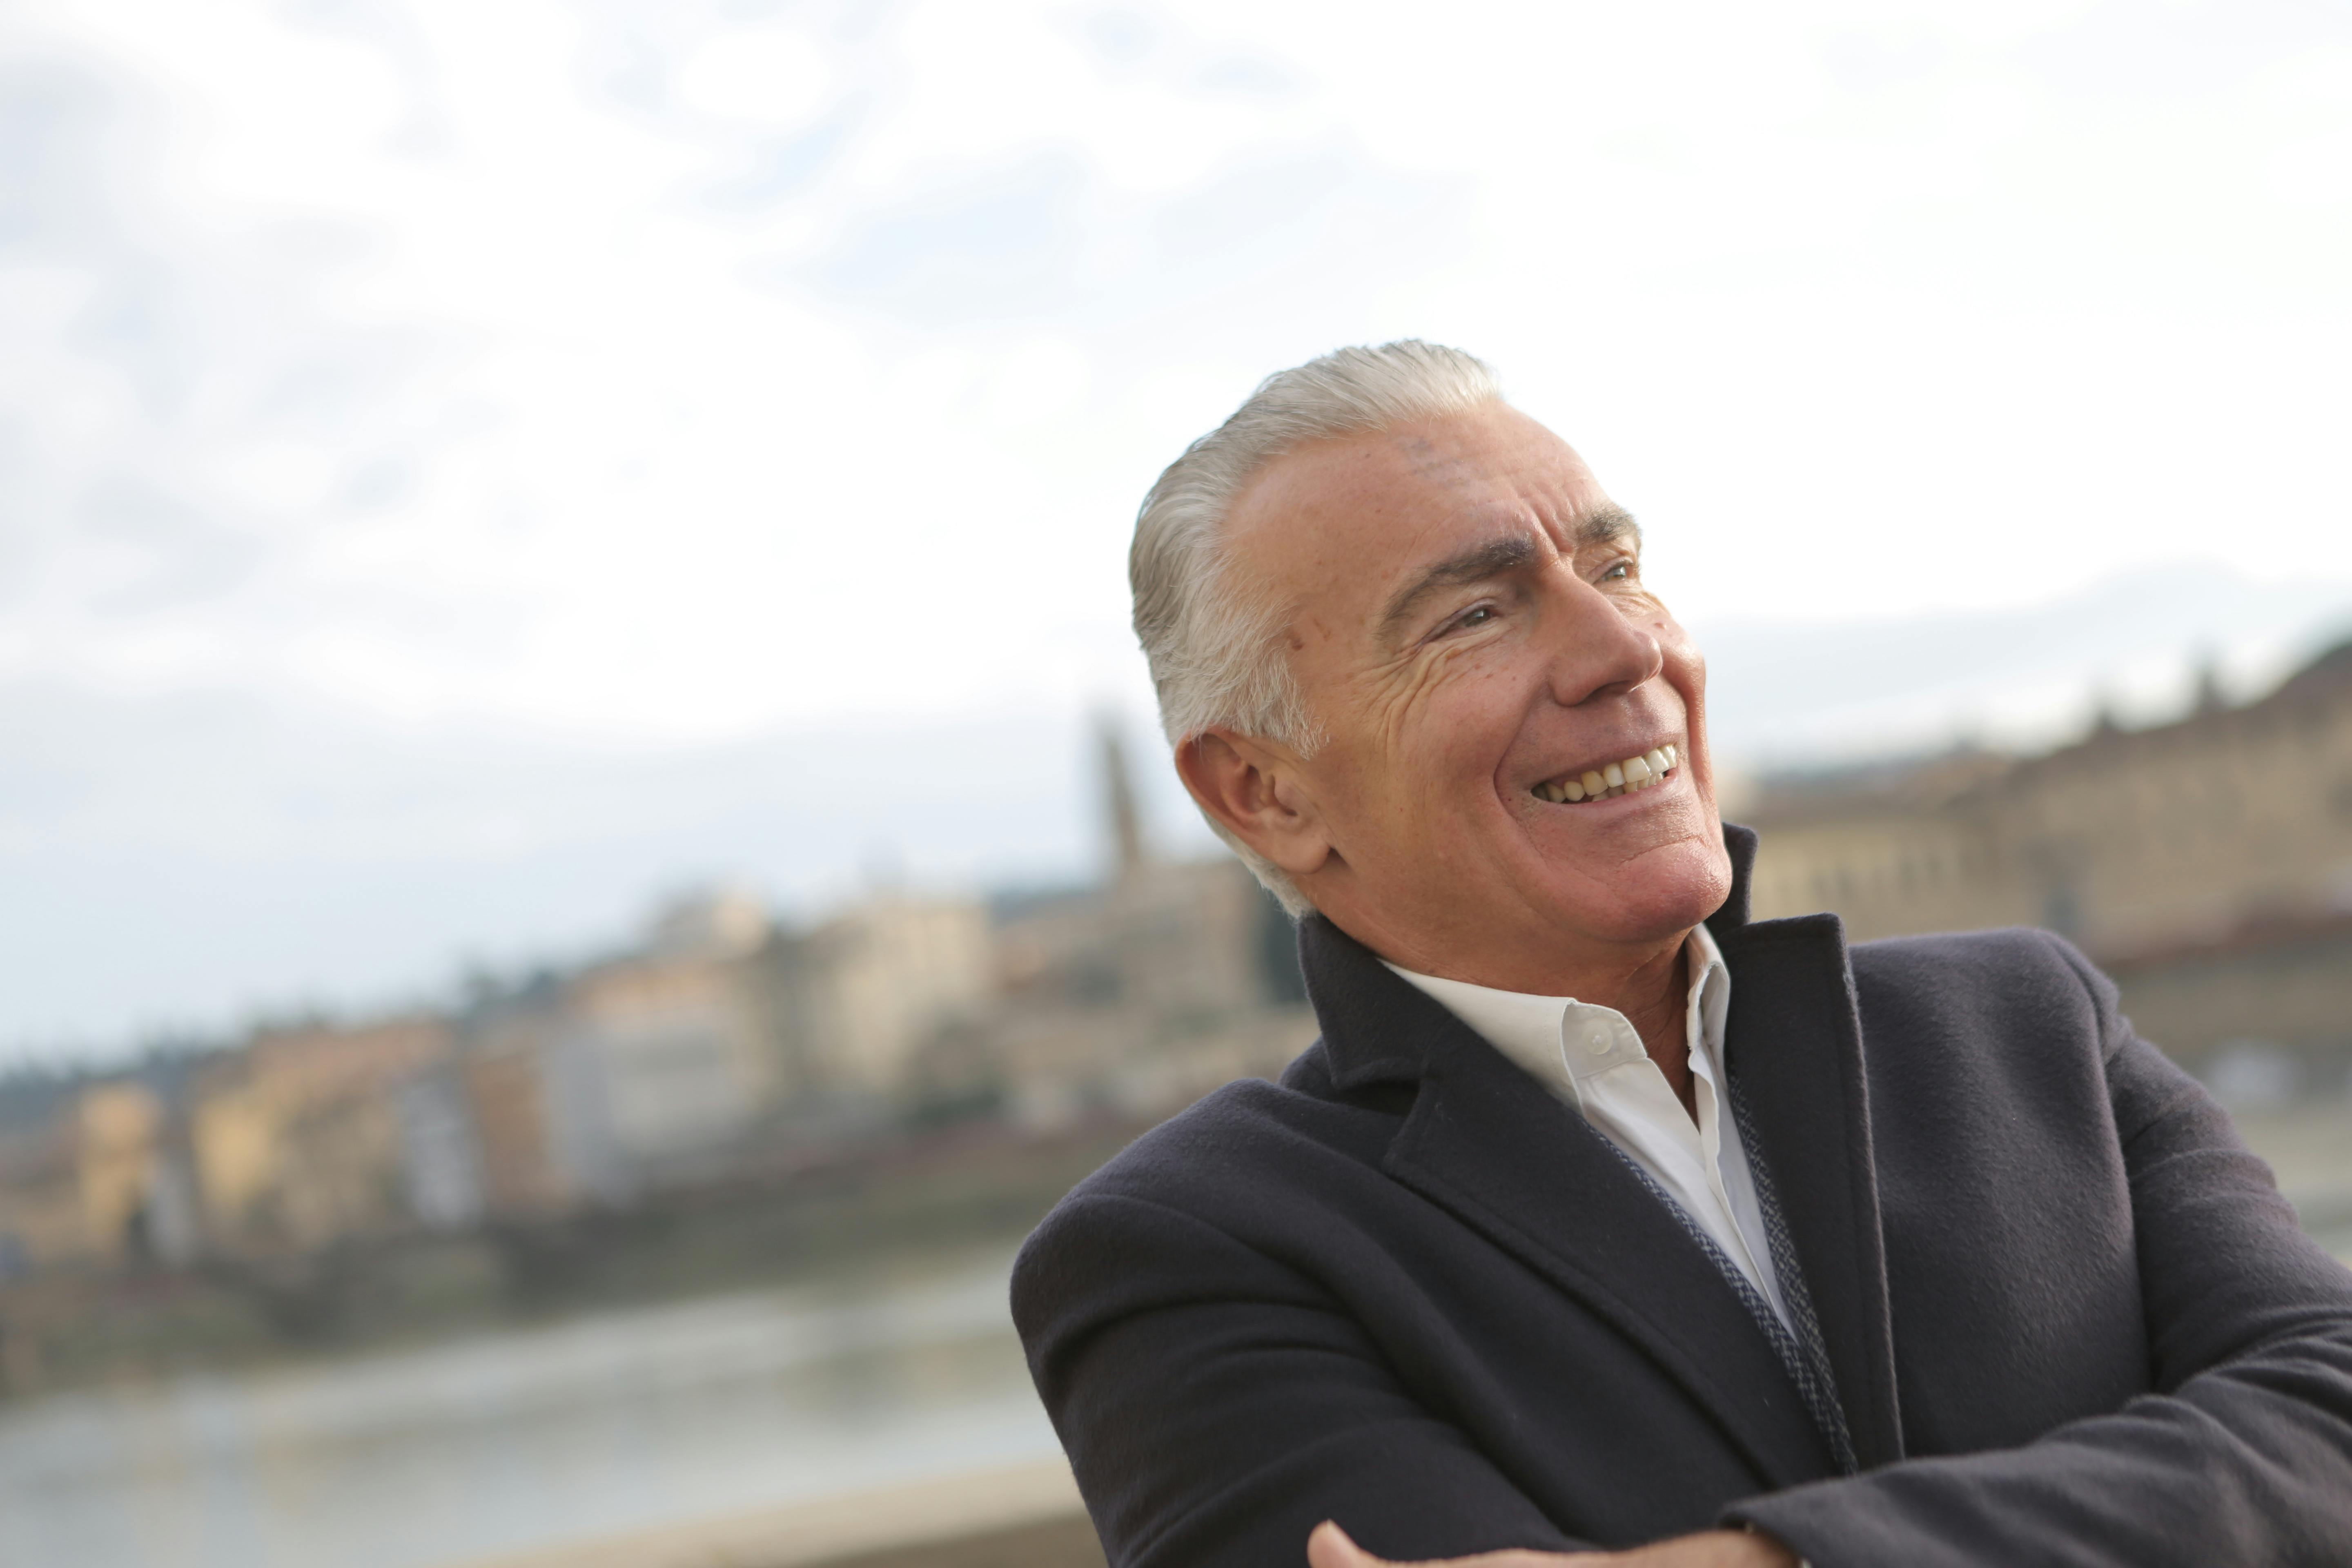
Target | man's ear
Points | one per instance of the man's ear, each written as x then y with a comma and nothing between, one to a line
1255,791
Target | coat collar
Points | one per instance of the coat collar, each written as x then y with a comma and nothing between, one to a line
1488,1144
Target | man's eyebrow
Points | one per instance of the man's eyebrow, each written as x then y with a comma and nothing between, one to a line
1498,556
1606,526
1475,564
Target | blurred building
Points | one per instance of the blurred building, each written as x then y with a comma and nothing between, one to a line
656,1064
2126,839
709,1048
44,1214
43,1221
1137,998
2263,1014
506,1041
95,1170
1133,997
139,1202
2206,862
300,1139
862,995
716,1048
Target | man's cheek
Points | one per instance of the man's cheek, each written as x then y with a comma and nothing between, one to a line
1414,704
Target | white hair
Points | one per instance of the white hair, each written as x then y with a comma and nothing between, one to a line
1216,645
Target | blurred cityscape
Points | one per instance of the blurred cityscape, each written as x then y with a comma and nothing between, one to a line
331,1178
831,1134
293,1185
751,1186
2206,864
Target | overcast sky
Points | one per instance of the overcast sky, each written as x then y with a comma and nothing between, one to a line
664,374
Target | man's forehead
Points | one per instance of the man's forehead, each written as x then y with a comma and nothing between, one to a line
1443,464
1381,500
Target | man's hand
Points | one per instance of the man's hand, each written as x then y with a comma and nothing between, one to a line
1329,1547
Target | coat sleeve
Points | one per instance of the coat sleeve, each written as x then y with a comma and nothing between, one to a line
2243,1452
1217,1404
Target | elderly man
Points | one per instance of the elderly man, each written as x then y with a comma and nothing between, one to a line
1603,1219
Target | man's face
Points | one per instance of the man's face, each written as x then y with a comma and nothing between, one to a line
1467,621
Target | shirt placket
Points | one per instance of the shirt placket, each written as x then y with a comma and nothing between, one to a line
1710,1138
1610,1046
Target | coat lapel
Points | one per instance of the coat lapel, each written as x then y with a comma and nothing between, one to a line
1793,1043
1488,1144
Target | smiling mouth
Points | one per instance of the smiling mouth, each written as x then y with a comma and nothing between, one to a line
1638,773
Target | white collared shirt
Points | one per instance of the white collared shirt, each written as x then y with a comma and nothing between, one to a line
1591,1057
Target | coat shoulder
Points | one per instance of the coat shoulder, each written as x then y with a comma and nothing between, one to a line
2007,952
1236,1135
2013,983
1243,1162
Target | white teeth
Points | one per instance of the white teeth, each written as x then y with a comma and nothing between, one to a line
1644,772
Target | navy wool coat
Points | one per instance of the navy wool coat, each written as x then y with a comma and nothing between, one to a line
2070,1318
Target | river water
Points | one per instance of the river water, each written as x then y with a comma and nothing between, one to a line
599,1424
432,1456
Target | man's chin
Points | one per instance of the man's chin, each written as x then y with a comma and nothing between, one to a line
1659,893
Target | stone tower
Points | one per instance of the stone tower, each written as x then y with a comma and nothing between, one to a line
1125,821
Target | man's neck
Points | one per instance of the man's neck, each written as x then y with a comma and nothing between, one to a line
1662,1020
1651,986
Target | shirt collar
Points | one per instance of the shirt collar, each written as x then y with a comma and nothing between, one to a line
1559,1040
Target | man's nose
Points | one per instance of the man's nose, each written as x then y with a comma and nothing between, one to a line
1596,649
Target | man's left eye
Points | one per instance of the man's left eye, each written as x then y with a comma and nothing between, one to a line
1476,617
1618,572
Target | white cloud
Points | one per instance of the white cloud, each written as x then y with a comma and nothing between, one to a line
2316,170
557,362
770,75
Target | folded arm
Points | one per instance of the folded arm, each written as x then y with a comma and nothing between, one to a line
1217,1404
2244,1452
1331,1547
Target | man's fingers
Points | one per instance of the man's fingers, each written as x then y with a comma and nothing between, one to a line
1329,1546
